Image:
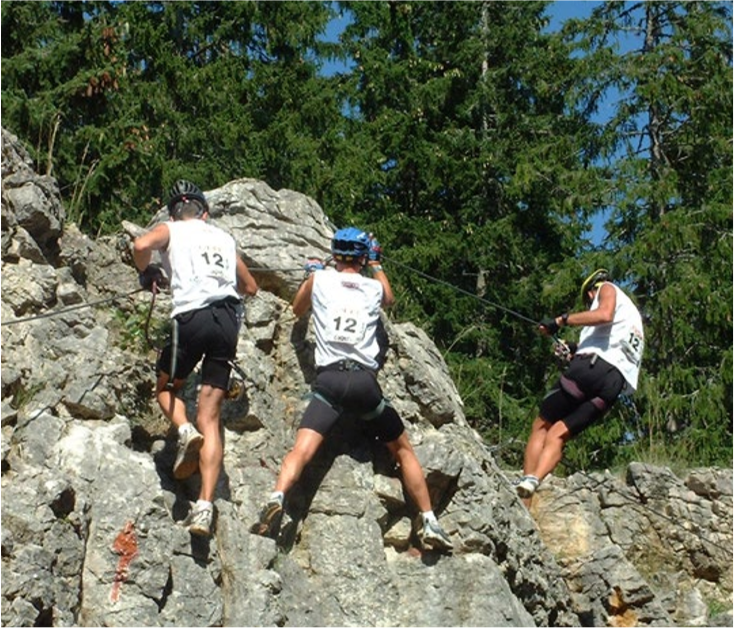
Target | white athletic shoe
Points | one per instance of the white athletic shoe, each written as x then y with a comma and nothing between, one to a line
433,536
527,486
268,518
199,521
187,455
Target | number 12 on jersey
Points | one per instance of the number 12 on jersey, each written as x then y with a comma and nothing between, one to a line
348,326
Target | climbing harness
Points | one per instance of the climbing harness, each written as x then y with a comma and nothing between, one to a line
367,416
345,364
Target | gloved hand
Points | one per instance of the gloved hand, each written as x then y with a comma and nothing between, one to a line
153,274
375,252
312,264
550,324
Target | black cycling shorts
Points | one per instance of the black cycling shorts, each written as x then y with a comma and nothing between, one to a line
355,392
583,394
209,332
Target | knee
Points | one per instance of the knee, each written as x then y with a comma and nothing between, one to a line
559,432
305,447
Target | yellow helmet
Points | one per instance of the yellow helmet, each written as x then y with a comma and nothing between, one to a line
600,276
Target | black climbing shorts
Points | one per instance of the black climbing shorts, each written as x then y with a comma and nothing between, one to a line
209,333
350,391
583,394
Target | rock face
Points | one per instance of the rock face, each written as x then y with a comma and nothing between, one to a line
649,549
91,514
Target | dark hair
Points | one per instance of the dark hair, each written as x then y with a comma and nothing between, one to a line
187,209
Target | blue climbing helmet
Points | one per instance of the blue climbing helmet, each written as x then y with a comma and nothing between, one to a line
350,243
595,280
182,192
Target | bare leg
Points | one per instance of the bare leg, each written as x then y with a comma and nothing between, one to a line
551,454
307,443
535,445
413,474
211,454
171,406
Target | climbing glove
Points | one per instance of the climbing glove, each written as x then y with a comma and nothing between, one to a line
375,252
550,324
153,274
312,264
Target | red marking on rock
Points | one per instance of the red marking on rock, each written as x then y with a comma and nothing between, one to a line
125,545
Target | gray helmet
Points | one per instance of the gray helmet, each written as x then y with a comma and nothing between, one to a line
183,191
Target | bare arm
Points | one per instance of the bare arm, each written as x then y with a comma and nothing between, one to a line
302,300
388,297
144,245
601,315
246,284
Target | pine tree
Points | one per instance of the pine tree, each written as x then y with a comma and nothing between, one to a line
479,184
668,154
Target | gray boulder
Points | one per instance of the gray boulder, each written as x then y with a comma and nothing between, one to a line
91,515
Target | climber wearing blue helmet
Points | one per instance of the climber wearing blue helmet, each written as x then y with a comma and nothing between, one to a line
350,244
346,308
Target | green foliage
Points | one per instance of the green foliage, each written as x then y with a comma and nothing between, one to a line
670,205
130,328
24,394
125,98
490,407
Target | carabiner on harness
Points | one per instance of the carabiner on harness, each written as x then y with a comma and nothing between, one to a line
563,351
236,385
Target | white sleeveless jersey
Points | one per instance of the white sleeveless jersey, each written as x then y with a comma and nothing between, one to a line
201,262
346,310
620,343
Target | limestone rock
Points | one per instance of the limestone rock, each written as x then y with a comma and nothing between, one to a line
91,515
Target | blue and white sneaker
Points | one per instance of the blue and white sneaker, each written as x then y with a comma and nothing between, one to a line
527,486
433,536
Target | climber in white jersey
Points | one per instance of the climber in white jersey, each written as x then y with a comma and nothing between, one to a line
604,363
346,307
207,278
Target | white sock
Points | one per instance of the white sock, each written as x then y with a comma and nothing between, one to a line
203,504
277,495
184,428
428,516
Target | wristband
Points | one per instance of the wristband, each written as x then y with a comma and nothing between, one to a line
564,318
375,268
